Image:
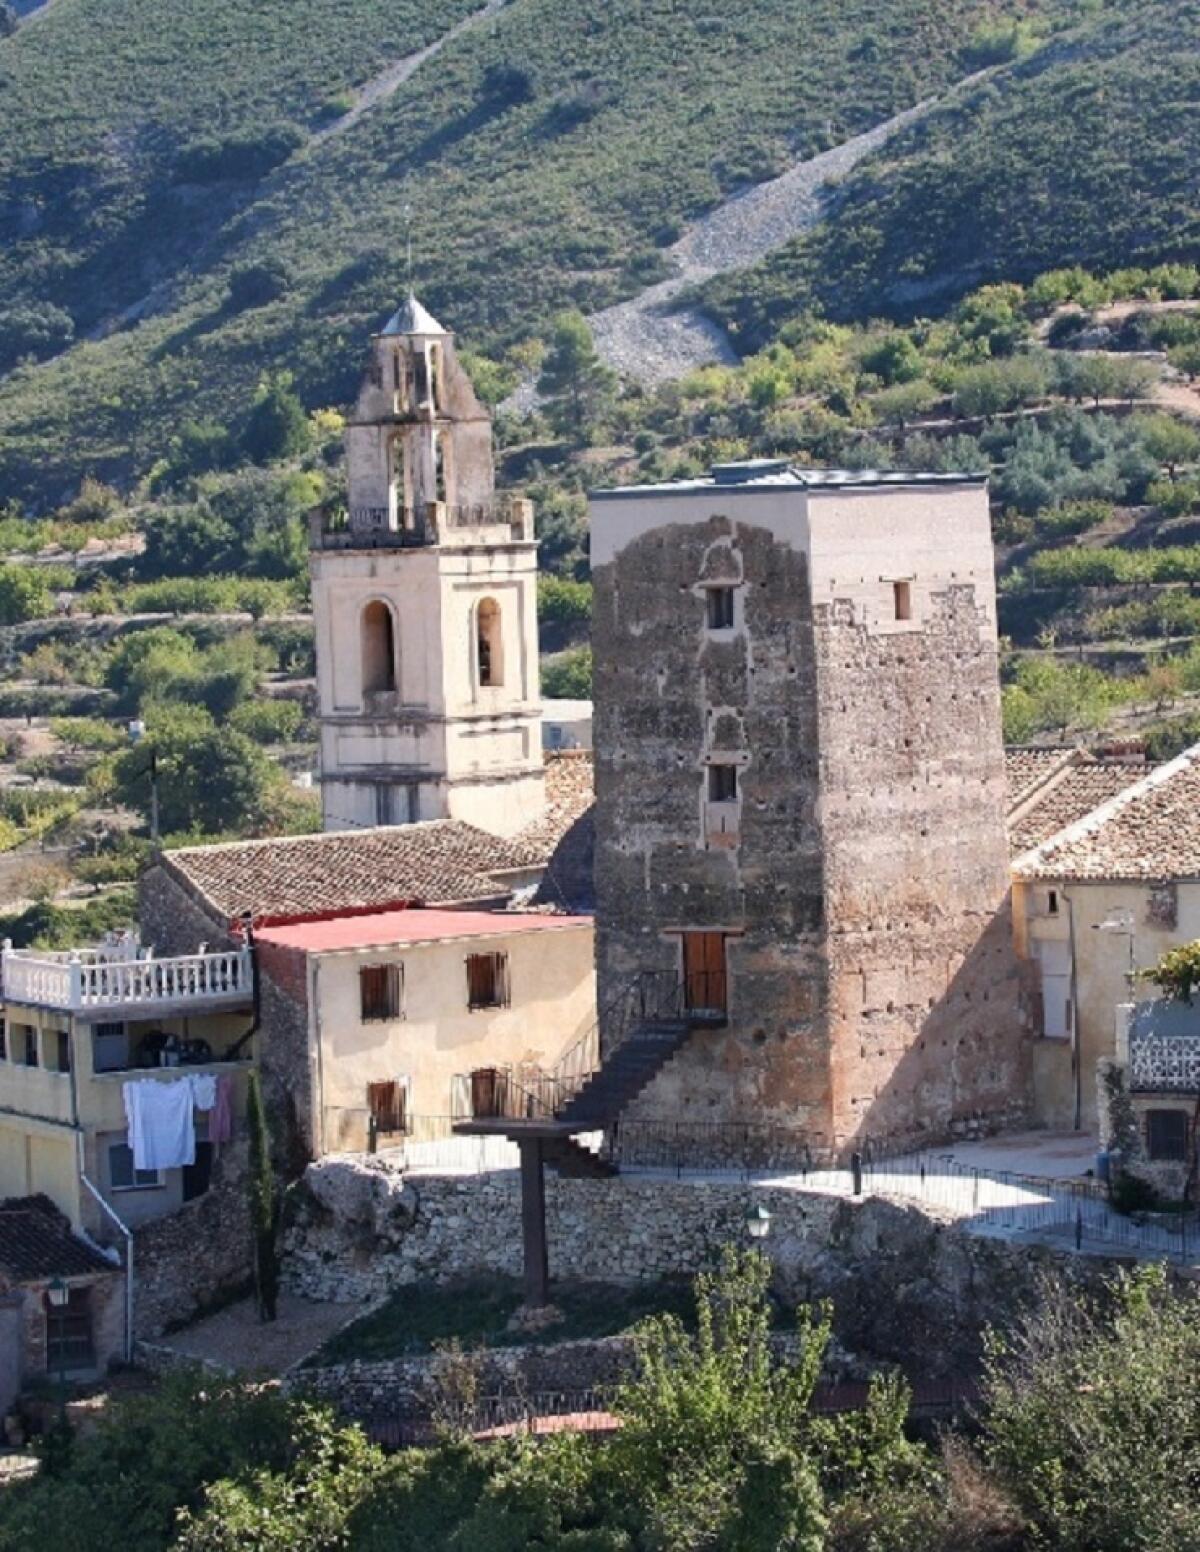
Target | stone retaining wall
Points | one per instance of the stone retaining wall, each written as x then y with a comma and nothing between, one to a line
906,1284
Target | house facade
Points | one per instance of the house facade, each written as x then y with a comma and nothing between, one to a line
1094,905
374,1022
801,794
78,1027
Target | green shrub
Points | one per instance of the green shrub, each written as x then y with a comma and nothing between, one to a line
24,595
568,677
268,721
563,602
237,157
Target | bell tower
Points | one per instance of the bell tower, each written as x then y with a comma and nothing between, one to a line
425,605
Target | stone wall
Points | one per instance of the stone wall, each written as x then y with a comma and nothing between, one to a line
284,1055
199,1257
171,918
863,882
906,1284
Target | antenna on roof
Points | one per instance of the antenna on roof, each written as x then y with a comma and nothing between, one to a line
406,217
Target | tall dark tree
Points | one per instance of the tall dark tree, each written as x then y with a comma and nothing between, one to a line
264,1205
575,383
277,426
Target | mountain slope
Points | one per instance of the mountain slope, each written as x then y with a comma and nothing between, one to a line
1087,152
547,156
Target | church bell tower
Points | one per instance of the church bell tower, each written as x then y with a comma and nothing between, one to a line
425,605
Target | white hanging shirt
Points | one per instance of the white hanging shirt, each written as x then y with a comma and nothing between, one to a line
162,1133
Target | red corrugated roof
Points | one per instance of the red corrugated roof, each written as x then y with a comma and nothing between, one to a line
411,926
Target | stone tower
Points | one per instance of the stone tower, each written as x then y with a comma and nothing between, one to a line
800,797
425,605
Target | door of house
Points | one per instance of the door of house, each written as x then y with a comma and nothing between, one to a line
706,985
1054,958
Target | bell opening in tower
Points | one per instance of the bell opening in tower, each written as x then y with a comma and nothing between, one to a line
379,648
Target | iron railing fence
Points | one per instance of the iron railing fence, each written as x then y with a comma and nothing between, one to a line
591,1411
527,1092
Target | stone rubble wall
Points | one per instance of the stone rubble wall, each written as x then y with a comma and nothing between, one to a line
905,1283
199,1257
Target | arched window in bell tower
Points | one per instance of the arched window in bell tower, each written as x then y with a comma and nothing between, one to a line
489,646
378,648
441,467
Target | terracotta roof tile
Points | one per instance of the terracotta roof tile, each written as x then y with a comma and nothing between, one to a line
1150,830
1068,796
570,793
36,1242
441,862
1027,769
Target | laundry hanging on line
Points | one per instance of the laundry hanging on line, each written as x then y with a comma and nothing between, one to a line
162,1131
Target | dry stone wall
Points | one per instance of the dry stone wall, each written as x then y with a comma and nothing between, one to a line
906,1284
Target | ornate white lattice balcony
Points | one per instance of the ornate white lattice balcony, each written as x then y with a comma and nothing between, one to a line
1165,1063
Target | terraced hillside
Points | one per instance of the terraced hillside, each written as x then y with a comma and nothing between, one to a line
151,153
1086,152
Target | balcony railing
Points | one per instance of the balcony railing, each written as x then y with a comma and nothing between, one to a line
1165,1063
370,528
125,977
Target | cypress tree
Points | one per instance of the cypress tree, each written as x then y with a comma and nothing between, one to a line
264,1205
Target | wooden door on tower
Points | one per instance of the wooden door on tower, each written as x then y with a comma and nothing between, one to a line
706,983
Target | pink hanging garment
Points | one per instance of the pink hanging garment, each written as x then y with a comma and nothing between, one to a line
220,1120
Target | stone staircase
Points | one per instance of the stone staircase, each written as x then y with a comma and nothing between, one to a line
641,1056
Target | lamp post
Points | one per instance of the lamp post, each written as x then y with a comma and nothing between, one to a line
758,1222
137,731
59,1296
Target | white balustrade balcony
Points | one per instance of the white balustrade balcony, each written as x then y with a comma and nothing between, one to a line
122,979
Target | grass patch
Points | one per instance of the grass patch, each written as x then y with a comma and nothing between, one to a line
414,1321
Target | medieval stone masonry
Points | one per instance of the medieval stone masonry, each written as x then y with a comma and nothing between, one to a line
800,796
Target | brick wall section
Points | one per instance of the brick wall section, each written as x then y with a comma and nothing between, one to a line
199,1257
284,1057
873,986
172,919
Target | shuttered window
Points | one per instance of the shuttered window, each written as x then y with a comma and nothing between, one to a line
388,1107
487,981
381,992
1167,1135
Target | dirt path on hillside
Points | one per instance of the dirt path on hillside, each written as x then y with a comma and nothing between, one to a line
383,85
645,340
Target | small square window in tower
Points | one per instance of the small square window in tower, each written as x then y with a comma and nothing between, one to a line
720,608
722,783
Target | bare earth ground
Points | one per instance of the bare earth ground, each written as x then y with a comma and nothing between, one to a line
234,1339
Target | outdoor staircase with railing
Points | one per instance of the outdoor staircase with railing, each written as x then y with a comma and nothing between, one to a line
642,1029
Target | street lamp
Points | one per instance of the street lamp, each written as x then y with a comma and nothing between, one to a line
758,1222
59,1296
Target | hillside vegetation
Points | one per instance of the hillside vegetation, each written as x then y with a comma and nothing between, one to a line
1085,152
546,159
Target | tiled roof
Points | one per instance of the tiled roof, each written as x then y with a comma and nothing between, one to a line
1151,830
569,794
441,862
1027,769
386,929
36,1242
1067,796
563,839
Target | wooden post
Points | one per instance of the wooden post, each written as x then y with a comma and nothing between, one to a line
533,1223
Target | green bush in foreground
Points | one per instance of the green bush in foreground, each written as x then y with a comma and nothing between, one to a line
1088,1440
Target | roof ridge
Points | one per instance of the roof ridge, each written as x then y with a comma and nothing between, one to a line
258,841
1093,822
